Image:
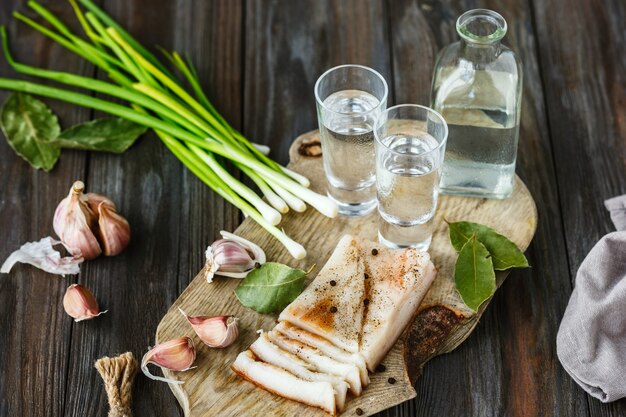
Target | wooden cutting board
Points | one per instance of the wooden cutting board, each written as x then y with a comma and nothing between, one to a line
441,324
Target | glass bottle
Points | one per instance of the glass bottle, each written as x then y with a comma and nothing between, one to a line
477,88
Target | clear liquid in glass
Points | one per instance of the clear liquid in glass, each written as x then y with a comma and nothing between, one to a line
408,186
483,133
348,142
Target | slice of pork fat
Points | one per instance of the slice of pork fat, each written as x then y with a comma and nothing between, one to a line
268,352
325,347
398,282
350,373
332,305
280,382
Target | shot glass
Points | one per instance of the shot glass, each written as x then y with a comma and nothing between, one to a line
350,98
410,146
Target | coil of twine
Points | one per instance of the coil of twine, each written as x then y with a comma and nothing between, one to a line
118,374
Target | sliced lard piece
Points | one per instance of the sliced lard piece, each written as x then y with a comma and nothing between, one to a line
397,283
268,352
321,363
325,347
332,305
280,382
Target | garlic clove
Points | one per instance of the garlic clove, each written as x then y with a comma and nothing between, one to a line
80,303
232,256
94,201
175,355
74,221
215,332
114,230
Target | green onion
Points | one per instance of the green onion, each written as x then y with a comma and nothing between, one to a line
190,127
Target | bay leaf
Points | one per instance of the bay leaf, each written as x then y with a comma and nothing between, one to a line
504,253
114,135
30,126
474,277
270,287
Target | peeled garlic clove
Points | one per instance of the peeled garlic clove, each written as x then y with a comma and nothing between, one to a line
175,355
114,230
215,332
74,221
80,303
232,256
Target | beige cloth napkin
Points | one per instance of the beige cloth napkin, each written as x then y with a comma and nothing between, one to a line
591,342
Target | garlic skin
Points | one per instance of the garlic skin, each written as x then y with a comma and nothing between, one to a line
114,230
175,355
215,332
232,256
44,256
80,303
73,223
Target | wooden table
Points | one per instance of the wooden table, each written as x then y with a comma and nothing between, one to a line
259,61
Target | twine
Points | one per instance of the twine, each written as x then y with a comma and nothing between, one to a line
118,374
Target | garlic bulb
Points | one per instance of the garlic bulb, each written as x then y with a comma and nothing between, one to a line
176,355
216,332
80,303
89,223
73,223
232,256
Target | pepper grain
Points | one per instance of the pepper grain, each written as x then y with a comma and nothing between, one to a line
374,251
358,412
333,283
391,381
333,309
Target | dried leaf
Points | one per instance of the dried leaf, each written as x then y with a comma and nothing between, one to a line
504,253
271,287
30,126
104,135
474,277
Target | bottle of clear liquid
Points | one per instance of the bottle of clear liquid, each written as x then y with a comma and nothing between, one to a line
477,88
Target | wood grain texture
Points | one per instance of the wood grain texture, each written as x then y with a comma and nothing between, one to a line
212,389
288,45
172,214
584,76
509,366
34,329
259,61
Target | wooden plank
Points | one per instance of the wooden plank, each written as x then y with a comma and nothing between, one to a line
173,216
584,74
36,326
509,367
34,329
288,46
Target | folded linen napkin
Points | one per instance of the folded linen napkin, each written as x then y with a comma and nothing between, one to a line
591,342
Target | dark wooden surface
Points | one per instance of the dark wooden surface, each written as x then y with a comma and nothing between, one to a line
259,61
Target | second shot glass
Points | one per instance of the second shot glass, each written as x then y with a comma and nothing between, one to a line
410,146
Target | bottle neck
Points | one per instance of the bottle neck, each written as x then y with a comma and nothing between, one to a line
480,52
481,31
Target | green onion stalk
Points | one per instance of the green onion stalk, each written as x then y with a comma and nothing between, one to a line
186,122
